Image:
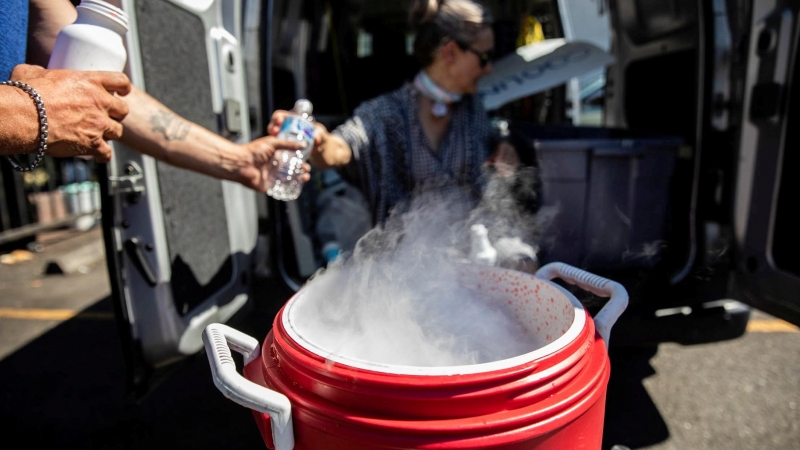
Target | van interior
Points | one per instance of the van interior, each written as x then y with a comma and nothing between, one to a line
621,168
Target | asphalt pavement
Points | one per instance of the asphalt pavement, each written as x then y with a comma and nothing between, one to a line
62,381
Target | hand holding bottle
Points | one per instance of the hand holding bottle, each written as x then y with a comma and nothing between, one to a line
255,174
287,170
82,109
329,151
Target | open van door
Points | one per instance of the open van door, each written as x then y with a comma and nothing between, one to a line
179,244
766,223
721,75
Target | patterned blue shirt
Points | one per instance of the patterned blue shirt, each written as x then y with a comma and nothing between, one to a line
13,35
393,160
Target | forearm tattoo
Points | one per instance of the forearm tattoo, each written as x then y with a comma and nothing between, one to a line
172,127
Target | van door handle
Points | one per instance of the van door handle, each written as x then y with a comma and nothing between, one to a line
134,250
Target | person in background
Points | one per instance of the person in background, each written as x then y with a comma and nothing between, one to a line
431,135
86,109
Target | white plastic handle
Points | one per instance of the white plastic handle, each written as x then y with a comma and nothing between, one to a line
217,339
608,315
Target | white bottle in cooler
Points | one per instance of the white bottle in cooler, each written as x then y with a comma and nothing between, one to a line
287,165
481,250
94,41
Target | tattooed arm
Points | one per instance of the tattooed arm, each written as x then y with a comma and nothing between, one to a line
150,127
153,129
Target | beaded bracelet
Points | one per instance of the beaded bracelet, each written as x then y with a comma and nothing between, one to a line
43,130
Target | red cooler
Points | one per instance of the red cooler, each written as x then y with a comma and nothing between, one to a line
305,396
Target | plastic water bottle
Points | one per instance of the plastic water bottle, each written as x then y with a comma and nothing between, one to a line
287,164
94,41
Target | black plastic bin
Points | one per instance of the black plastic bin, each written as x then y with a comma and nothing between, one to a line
610,190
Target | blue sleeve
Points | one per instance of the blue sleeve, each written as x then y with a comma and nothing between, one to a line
365,133
13,35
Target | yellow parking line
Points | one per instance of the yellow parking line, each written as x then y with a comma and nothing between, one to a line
753,326
51,314
771,326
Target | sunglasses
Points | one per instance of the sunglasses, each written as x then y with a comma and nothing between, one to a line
484,58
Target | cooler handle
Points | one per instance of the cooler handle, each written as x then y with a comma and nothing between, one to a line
608,315
218,340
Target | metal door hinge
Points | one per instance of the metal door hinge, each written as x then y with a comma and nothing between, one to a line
131,182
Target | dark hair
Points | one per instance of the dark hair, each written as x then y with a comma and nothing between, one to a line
436,21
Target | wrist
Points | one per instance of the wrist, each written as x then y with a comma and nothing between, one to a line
19,127
235,162
335,152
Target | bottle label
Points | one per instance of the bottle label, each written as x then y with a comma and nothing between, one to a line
298,125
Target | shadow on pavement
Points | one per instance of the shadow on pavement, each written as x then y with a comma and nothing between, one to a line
632,419
66,389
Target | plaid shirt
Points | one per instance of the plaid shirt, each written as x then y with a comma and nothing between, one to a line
393,160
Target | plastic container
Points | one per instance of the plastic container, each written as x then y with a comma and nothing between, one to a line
307,396
94,41
44,207
59,205
330,251
610,189
86,197
96,199
342,215
71,198
287,164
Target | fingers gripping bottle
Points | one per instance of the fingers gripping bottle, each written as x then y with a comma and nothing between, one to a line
287,165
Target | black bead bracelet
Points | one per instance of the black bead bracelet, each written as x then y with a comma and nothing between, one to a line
43,130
